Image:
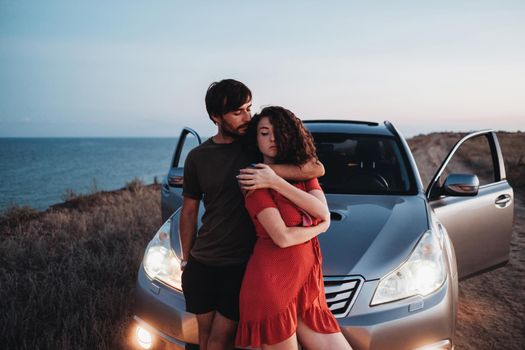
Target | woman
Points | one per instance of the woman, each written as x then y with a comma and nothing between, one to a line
282,297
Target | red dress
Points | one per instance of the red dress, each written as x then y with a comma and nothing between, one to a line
281,283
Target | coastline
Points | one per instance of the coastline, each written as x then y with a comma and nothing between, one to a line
43,172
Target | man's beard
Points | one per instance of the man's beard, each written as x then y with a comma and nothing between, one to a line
229,131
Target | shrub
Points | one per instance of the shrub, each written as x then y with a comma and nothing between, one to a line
70,195
15,215
134,185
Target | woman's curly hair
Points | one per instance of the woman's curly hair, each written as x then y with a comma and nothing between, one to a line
294,143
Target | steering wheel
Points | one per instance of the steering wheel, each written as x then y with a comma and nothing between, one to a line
369,180
380,180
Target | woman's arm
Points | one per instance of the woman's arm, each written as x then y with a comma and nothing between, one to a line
313,202
284,236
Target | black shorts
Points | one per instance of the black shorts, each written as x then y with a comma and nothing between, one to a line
212,288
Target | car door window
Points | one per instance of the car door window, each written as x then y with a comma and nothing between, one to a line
190,143
474,156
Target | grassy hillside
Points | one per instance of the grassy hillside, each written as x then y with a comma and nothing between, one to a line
67,275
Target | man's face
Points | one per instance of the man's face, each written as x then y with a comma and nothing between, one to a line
235,123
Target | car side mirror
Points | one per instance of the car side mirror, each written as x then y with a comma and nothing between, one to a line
176,181
461,185
176,177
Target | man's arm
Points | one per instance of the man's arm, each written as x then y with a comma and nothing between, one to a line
312,168
314,202
188,225
259,178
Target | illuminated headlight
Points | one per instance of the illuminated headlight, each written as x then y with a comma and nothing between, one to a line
144,338
160,262
421,274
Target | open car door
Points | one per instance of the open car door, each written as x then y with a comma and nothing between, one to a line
188,140
473,200
171,194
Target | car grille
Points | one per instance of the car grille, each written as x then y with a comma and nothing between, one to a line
340,293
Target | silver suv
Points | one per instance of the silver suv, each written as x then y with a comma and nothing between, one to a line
394,251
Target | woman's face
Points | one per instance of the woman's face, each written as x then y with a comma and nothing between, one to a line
266,139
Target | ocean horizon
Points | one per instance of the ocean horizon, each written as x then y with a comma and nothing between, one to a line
37,171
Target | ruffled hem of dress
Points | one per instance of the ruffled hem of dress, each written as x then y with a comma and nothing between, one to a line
269,331
317,316
320,320
283,325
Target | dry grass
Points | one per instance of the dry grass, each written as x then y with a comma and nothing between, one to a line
67,275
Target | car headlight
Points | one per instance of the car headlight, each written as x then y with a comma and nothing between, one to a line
421,274
160,262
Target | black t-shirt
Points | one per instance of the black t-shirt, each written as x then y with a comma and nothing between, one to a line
227,235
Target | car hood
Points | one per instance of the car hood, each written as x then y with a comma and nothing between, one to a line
370,235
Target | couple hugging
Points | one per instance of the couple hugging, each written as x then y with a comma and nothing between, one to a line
252,274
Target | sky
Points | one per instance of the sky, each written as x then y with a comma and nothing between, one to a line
141,68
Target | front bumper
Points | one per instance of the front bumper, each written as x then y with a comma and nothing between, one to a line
411,323
407,324
161,310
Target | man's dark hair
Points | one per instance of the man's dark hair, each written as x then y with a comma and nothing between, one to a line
225,96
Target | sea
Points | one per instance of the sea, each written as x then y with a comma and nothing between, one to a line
37,172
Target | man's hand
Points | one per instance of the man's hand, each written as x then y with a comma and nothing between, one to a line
261,176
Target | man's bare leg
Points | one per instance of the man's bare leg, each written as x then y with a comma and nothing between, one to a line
222,334
205,322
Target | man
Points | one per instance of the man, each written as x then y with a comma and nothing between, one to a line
214,261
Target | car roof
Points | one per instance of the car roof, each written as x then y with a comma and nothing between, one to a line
349,127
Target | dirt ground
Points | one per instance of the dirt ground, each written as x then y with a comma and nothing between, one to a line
491,305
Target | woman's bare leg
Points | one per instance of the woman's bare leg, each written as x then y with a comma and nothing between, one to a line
311,339
288,344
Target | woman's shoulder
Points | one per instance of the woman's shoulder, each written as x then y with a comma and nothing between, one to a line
257,200
260,192
260,197
307,185
312,184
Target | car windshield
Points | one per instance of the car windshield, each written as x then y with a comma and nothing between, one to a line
362,164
